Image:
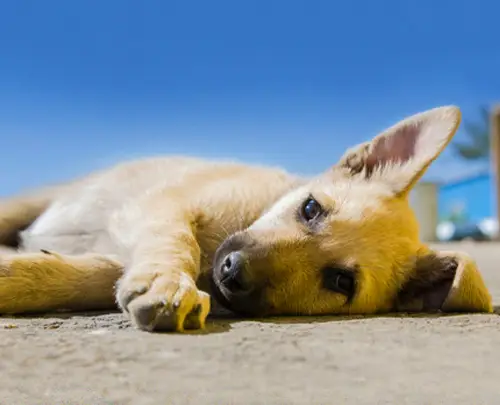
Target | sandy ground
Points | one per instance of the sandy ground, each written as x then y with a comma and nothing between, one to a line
97,359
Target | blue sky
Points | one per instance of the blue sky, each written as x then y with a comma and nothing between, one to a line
85,84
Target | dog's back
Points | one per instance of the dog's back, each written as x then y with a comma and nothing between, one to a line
81,216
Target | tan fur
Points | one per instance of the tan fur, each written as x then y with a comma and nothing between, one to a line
20,212
49,281
157,224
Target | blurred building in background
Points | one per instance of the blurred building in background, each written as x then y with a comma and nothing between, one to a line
467,199
468,204
459,209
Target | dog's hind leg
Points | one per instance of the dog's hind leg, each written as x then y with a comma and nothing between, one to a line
47,281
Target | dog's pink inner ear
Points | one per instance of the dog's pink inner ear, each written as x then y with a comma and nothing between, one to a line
396,148
401,154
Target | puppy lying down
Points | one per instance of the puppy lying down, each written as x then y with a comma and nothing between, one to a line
159,237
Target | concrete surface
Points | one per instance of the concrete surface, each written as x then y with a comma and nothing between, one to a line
99,359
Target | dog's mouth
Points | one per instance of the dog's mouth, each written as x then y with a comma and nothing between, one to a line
217,292
249,304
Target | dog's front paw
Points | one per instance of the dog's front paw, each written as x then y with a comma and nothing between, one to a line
163,301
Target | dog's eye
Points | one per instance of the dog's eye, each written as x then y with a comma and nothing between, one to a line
339,280
311,209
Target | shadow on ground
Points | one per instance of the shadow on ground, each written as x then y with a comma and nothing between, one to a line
216,324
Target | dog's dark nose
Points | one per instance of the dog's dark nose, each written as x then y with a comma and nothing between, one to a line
234,272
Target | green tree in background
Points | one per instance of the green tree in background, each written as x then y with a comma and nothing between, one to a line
478,145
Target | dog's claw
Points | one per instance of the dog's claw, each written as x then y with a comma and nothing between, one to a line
125,297
167,305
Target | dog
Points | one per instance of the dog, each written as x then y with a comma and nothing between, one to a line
168,239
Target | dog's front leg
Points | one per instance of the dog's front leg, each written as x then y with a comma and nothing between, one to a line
158,289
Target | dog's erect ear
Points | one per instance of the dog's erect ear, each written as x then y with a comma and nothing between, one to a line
400,155
444,282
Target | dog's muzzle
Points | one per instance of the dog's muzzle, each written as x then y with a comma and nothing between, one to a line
233,285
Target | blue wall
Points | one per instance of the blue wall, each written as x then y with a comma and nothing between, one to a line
474,194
